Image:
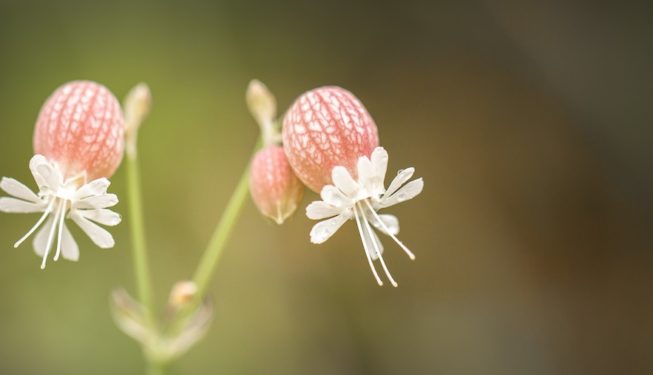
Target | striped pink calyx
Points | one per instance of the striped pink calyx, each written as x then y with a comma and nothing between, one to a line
324,128
81,128
275,189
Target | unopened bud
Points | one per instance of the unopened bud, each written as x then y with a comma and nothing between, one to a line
260,101
137,106
275,189
182,293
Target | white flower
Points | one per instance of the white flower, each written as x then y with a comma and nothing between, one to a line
57,198
360,200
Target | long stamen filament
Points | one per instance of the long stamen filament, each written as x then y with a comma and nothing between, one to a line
370,233
369,258
387,231
62,216
47,212
51,236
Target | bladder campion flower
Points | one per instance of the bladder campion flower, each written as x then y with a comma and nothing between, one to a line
331,142
78,144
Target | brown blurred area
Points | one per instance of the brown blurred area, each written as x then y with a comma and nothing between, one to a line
530,122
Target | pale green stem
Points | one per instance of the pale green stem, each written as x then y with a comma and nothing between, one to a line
141,268
139,248
214,250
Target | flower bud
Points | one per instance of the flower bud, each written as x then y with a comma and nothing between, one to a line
275,189
137,107
80,127
324,128
182,293
263,106
260,101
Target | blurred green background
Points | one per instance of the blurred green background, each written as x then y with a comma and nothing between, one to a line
531,124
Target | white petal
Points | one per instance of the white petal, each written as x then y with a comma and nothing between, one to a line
390,221
100,236
402,176
409,191
380,162
69,248
99,201
34,163
331,195
343,181
323,230
319,210
41,240
18,190
50,175
365,172
13,205
101,216
93,188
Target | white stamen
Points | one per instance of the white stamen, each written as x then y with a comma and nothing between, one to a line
60,234
37,225
387,230
369,258
376,247
51,235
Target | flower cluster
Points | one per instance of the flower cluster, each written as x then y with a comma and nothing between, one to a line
331,144
327,142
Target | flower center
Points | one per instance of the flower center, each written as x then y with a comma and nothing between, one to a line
65,193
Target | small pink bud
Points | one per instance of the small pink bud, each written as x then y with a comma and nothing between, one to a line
275,189
324,128
80,127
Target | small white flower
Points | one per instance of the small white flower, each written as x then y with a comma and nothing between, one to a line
360,200
58,199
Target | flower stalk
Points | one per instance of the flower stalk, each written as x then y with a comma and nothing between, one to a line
221,234
139,246
137,107
213,253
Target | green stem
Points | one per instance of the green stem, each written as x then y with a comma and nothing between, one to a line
212,255
141,268
214,250
139,248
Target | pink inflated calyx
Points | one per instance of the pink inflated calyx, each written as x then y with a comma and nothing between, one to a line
275,189
80,127
324,128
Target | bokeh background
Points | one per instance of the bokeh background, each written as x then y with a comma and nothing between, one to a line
531,124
